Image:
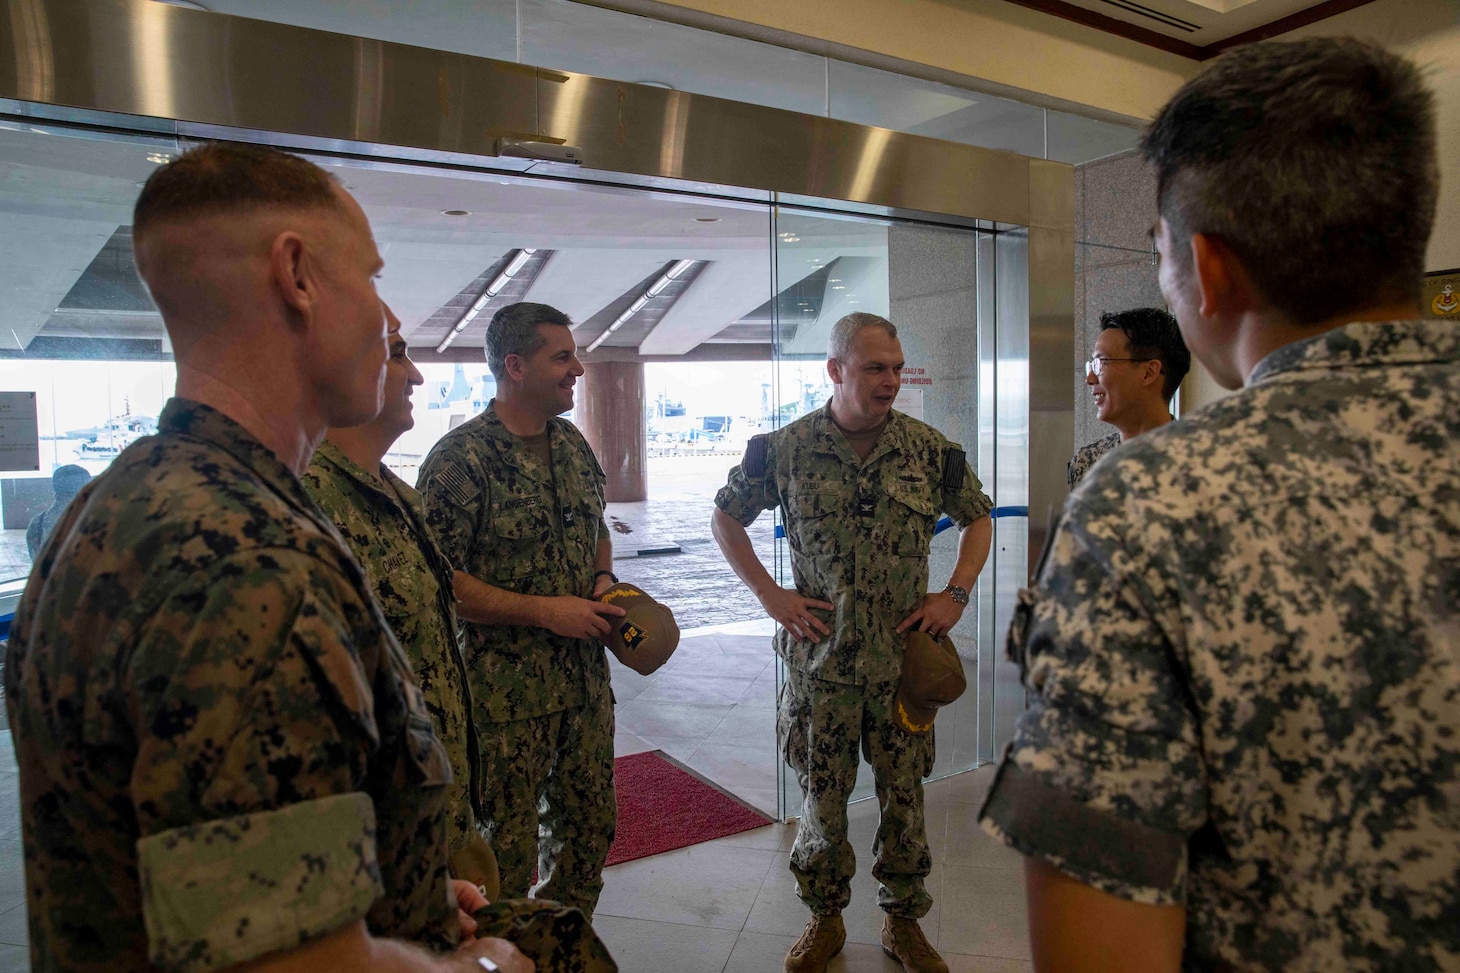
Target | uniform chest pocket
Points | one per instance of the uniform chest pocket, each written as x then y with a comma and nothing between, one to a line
518,533
912,516
815,523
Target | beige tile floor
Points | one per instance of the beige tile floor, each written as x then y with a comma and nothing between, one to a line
730,906
711,706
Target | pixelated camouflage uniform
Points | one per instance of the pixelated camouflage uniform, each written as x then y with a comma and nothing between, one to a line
223,751
1243,658
1087,456
382,519
544,703
871,561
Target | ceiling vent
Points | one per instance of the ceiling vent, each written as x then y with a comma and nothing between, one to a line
1164,19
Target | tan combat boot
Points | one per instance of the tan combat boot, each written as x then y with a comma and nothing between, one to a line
822,939
903,940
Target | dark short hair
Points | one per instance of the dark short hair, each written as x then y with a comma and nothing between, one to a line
67,481
222,177
513,331
1314,161
1152,333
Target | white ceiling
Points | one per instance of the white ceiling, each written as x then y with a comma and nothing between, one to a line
63,196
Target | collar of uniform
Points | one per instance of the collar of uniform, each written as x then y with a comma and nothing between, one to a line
1366,343
831,440
329,454
509,445
185,417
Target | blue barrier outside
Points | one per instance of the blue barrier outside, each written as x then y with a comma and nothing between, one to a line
944,523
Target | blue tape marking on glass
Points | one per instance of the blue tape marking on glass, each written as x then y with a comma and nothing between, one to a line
944,523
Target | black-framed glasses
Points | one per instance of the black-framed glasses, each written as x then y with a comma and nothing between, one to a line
1094,365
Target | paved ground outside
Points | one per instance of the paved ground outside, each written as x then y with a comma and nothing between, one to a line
696,584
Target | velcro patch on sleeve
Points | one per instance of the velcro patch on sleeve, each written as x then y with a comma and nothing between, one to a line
458,486
228,891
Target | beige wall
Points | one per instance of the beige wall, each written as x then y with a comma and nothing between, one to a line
1010,46
989,40
1429,32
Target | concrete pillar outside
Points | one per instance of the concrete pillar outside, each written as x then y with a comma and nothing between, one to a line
609,409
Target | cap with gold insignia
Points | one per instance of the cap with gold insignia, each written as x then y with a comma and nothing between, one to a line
932,676
647,635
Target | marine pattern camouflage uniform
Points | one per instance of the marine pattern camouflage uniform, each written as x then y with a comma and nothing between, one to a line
859,533
1087,456
382,519
1244,665
222,749
544,703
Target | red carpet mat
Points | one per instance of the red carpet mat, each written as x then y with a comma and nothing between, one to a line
662,806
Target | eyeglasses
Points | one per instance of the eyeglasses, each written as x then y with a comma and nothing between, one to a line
1096,364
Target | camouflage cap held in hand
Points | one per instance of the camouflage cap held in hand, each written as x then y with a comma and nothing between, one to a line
932,676
647,635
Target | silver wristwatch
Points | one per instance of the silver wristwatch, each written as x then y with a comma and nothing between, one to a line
960,595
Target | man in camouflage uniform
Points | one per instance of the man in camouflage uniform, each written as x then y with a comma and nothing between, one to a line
382,519
515,498
223,754
1243,743
1138,365
861,487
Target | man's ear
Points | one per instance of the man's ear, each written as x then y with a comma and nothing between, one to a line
1151,372
834,369
291,273
515,367
1222,280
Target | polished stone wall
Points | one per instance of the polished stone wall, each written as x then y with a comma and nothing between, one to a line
1115,263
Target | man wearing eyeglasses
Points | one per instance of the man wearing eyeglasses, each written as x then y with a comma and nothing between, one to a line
1137,367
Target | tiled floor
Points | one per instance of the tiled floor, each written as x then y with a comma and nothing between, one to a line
712,706
730,906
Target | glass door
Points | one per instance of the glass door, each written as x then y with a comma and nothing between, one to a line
925,280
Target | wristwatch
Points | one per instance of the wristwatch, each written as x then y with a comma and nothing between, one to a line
959,595
611,576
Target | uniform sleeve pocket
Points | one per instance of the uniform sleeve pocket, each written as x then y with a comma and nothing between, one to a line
428,762
228,891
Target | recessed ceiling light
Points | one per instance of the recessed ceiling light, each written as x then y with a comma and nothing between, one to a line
455,212
158,157
707,219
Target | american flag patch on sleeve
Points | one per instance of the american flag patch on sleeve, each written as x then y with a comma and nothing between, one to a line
458,486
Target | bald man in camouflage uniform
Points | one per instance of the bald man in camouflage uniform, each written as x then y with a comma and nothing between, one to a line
861,487
224,756
515,498
1242,750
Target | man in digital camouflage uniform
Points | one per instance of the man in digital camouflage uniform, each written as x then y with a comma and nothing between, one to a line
223,754
382,519
1242,750
1138,364
515,498
860,487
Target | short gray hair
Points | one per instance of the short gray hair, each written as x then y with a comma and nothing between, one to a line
513,331
847,329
